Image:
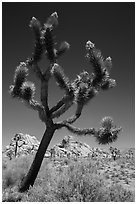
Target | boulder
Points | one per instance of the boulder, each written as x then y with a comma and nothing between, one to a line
21,144
69,147
24,144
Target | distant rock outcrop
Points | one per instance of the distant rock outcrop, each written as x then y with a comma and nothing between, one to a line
72,148
21,144
24,144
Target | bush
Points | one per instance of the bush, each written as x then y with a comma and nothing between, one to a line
117,193
15,170
77,182
11,195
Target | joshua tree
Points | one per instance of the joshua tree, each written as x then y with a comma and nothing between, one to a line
79,92
114,152
16,139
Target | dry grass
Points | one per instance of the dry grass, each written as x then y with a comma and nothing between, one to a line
80,180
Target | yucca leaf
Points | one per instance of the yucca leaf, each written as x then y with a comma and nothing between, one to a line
110,83
36,26
108,133
49,44
21,73
108,63
80,95
101,67
28,91
62,81
105,136
14,91
52,21
107,122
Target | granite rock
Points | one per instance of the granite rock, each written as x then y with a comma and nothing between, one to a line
21,144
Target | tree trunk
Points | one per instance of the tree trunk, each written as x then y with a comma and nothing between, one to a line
16,148
34,169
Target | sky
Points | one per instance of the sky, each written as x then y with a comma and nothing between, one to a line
110,26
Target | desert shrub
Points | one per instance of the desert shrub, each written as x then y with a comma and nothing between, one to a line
39,194
81,183
11,195
77,182
79,188
46,175
15,171
116,193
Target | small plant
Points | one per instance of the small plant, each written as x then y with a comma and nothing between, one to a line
114,152
15,171
79,91
16,139
80,181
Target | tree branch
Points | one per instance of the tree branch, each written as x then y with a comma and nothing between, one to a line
38,107
101,66
44,89
73,118
62,81
62,110
78,131
37,71
61,103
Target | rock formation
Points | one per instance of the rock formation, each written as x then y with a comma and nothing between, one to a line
21,144
24,144
72,148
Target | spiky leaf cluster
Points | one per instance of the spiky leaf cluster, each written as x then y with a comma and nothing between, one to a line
84,90
107,123
48,37
52,21
108,133
45,40
83,77
108,63
21,88
105,137
84,95
107,84
14,91
28,91
49,44
62,81
101,67
17,137
21,73
38,48
36,26
52,52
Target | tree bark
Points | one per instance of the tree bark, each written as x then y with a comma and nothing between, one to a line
16,148
34,169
